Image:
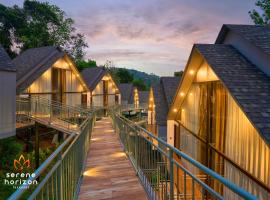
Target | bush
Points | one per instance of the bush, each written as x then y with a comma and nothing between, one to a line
9,150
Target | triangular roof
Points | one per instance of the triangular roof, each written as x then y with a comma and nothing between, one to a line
126,90
5,61
258,35
164,92
249,86
93,76
169,85
32,63
143,97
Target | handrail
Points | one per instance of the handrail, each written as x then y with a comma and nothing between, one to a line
41,168
241,192
52,103
72,152
253,178
51,112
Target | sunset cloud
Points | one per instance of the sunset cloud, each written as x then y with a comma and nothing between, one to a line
153,35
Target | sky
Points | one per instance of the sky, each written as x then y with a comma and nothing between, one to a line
154,36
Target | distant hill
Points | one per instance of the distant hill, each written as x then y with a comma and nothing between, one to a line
148,79
140,79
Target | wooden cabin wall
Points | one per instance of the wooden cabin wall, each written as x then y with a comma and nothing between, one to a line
210,113
73,89
42,85
245,146
97,95
111,93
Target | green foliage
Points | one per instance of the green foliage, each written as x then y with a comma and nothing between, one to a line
124,76
139,79
10,148
178,74
264,18
83,64
139,83
113,73
39,24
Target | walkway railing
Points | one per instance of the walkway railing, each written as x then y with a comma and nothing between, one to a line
59,176
50,112
161,168
163,171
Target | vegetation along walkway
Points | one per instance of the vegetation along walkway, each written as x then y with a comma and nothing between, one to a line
109,173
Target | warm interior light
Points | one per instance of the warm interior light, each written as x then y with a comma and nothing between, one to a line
190,94
105,78
174,110
191,72
183,109
182,94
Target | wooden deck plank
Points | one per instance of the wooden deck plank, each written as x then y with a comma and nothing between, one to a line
108,173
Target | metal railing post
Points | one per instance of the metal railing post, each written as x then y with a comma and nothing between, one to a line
171,174
59,177
36,107
136,150
50,105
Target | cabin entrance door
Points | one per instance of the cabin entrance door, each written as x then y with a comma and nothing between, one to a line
84,100
116,99
105,93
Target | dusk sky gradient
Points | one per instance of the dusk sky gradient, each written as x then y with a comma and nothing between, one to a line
154,36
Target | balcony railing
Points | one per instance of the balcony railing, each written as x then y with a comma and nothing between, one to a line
55,114
159,167
60,174
161,170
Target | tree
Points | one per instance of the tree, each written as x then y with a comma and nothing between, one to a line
139,83
178,74
124,76
39,24
83,64
264,18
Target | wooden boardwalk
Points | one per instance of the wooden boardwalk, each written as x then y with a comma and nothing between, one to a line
109,173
